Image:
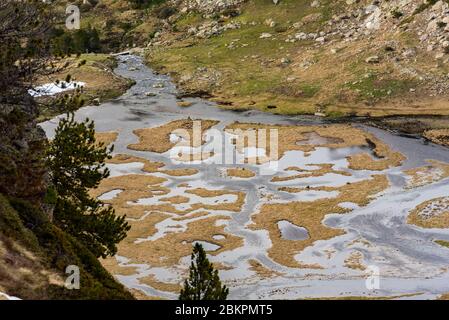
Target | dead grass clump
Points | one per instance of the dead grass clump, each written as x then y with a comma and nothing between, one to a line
152,166
422,176
22,273
431,214
297,190
140,295
261,270
406,295
146,227
184,104
205,193
310,215
149,166
114,268
168,250
291,138
354,261
134,186
192,216
106,137
175,199
222,266
444,296
183,172
439,136
189,157
159,285
363,161
242,173
324,168
158,139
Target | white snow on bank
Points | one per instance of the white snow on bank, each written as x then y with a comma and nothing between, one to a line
50,89
4,295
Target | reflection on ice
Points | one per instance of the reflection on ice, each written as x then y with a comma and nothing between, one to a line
289,231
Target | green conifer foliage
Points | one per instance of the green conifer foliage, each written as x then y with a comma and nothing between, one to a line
77,164
204,282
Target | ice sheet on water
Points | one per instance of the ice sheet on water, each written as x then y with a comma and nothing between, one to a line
50,89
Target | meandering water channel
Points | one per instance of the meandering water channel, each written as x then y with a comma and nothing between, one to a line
408,259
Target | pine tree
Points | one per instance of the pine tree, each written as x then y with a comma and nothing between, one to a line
204,282
77,164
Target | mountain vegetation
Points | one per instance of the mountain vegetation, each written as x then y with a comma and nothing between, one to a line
204,282
37,242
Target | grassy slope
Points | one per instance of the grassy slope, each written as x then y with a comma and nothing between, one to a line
34,254
253,76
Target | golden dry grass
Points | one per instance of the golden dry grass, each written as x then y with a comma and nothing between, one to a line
189,157
231,206
336,136
406,295
310,215
261,271
140,295
183,172
157,139
444,296
159,285
23,271
168,250
145,227
191,216
152,166
149,166
106,137
114,268
355,261
242,173
100,81
183,185
437,218
175,199
222,266
134,186
431,173
184,104
388,159
439,136
324,168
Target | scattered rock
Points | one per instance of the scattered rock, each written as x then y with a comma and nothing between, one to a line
315,4
270,22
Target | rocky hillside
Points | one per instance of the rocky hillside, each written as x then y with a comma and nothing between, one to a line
326,57
367,58
331,58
